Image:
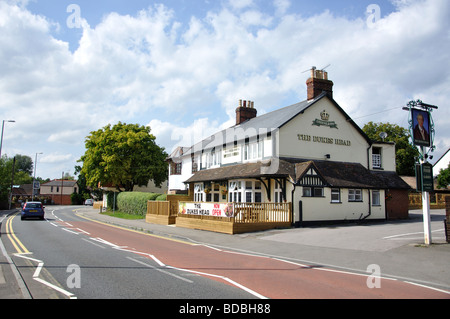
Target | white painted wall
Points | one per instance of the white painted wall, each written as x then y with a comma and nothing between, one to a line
308,145
321,208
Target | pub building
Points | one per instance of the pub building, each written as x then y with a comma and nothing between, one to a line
311,154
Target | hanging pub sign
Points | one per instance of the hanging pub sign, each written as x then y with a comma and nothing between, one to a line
421,128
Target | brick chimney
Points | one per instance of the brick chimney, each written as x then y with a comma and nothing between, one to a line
245,111
318,83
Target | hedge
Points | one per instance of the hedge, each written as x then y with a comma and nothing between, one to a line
162,197
134,203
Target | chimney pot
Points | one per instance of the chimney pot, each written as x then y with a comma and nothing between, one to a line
245,112
318,84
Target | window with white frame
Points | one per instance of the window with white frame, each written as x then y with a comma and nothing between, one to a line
355,195
215,193
248,191
198,192
258,194
235,191
376,157
245,191
278,197
376,198
335,195
253,150
213,158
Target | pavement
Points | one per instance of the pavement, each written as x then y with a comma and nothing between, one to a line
396,246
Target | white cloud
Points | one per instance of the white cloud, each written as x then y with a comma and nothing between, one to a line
55,158
173,135
185,81
281,6
240,4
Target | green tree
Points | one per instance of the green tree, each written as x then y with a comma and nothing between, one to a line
443,178
24,164
124,155
5,181
23,168
405,152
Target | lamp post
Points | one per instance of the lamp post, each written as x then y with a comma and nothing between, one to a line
34,177
3,128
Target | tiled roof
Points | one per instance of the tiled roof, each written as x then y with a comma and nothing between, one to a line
260,125
58,182
346,175
336,174
249,170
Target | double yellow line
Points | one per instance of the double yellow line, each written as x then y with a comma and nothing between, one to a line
13,238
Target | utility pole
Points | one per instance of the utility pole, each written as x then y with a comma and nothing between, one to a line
12,181
62,187
34,177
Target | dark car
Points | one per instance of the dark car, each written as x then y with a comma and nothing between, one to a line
32,209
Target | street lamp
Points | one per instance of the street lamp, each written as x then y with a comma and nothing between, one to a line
34,177
3,128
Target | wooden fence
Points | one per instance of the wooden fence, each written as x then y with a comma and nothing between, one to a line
437,200
262,212
164,212
248,217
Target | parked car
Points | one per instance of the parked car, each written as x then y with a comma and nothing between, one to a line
89,202
32,209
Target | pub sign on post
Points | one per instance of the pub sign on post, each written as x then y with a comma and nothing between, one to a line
421,128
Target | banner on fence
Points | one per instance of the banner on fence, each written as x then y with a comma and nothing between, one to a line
207,209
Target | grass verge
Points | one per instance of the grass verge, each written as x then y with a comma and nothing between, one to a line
122,215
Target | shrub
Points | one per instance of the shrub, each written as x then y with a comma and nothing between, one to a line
134,203
162,197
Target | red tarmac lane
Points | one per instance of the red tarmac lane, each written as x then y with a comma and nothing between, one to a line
260,275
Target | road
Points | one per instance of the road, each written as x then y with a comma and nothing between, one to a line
71,256
51,254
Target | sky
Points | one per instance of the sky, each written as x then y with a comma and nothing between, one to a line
68,68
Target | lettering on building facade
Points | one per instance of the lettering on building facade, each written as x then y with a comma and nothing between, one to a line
322,139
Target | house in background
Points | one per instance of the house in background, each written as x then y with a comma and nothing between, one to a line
59,191
22,193
441,163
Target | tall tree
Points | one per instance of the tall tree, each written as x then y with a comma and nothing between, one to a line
406,153
124,155
24,164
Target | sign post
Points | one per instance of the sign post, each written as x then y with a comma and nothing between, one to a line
427,186
422,134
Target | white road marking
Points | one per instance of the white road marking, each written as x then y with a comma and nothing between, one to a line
42,281
160,270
